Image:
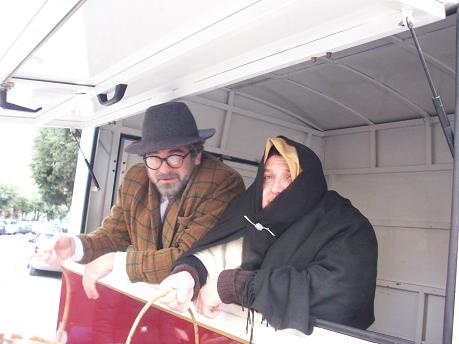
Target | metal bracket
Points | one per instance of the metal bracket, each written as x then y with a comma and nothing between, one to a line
10,106
120,89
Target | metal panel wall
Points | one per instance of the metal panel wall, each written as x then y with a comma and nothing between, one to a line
402,182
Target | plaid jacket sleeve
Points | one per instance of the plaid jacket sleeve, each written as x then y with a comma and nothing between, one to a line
211,193
111,236
114,234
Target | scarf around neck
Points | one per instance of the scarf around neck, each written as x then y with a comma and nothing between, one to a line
293,203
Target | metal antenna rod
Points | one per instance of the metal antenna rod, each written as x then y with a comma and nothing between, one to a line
436,99
91,172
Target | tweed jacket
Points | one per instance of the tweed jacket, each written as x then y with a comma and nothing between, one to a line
135,219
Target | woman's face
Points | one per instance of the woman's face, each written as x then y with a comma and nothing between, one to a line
276,178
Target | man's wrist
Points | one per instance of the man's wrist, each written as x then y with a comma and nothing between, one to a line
78,252
119,265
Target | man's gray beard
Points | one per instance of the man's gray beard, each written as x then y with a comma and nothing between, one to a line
172,190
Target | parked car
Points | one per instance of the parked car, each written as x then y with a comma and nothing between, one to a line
24,227
2,227
11,227
42,239
15,226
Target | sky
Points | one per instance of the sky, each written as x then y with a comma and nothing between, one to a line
16,143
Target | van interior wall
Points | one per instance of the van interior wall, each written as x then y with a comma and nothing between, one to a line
400,178
398,175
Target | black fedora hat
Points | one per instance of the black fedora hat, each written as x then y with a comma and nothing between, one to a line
167,126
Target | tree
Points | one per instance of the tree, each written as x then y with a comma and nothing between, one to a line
17,205
37,207
23,206
8,197
54,159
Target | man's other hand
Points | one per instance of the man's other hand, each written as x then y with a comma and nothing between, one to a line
94,271
179,289
61,249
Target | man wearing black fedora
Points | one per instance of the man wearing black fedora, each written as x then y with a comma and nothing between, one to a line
163,207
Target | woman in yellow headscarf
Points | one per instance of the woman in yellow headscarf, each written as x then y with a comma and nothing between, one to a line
287,248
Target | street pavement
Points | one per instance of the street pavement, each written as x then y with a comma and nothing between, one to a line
28,304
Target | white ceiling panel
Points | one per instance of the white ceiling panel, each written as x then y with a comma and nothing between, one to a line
318,109
351,90
402,71
441,44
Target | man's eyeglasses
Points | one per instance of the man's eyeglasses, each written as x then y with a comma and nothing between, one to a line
154,162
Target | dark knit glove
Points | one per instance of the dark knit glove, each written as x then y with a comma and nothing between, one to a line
230,285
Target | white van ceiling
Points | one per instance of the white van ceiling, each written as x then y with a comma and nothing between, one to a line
378,82
307,57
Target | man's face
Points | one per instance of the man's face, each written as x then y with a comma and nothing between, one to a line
276,178
169,180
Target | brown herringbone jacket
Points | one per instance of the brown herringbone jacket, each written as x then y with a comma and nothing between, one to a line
135,219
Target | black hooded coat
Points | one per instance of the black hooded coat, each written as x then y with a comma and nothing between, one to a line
320,264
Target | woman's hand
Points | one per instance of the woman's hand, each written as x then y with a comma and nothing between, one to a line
179,287
208,301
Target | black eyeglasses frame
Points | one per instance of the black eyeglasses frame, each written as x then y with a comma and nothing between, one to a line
145,157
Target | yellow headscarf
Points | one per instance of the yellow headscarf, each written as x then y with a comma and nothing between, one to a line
288,153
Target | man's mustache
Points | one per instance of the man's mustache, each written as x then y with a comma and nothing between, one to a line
167,176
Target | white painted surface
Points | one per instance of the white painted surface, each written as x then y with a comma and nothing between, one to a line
166,50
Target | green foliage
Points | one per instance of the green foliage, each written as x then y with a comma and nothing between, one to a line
23,204
8,196
54,159
13,204
53,166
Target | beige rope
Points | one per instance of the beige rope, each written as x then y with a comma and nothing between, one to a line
144,310
65,315
141,314
195,326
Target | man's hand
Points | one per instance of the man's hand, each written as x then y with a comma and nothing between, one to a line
95,270
208,301
179,287
61,249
